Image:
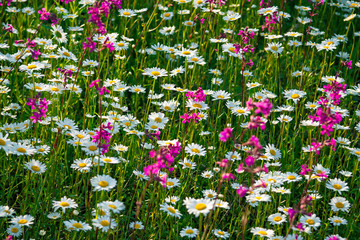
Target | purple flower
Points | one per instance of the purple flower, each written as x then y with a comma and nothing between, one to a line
304,170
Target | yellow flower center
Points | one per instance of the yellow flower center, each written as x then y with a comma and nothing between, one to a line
210,195
189,23
2,142
54,89
187,164
31,66
126,13
64,204
310,222
232,49
291,177
337,186
92,148
220,96
172,210
339,205
221,233
273,152
103,184
195,150
77,225
104,223
22,221
262,233
155,73
158,120
35,168
107,160
167,108
41,150
277,219
137,226
189,231
14,230
357,153
337,221
274,48
66,54
197,105
81,165
200,206
22,150
169,184
295,96
167,14
80,136
112,206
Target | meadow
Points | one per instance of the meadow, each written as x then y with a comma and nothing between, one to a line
180,119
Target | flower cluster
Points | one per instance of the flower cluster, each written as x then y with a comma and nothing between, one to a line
101,90
262,107
99,9
41,106
164,157
103,134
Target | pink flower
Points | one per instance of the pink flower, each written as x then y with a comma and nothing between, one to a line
241,191
226,134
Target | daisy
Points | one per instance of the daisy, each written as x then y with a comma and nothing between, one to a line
22,149
220,95
189,232
196,105
5,211
59,34
187,164
155,72
4,141
103,182
262,232
54,215
195,149
337,185
112,206
104,223
64,204
172,199
136,225
294,95
14,230
137,89
339,204
240,111
198,206
207,174
311,221
77,225
221,234
210,194
127,13
35,166
292,177
170,210
23,220
172,182
272,152
275,48
82,165
337,221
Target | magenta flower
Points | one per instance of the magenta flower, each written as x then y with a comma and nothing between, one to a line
242,191
44,15
41,106
228,176
226,134
304,170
